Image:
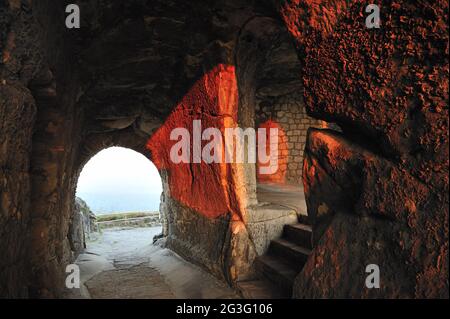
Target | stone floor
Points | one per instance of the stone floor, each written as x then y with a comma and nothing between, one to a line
122,263
291,196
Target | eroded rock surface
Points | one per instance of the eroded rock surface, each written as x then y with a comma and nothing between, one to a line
365,210
67,94
82,223
122,263
380,190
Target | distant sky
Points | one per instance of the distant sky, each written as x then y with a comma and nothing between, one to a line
119,179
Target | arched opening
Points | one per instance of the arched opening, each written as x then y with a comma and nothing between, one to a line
67,94
116,214
120,180
114,231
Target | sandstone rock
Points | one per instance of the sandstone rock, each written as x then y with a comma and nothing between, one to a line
385,180
366,210
76,234
366,81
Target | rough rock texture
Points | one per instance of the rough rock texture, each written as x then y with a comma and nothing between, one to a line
279,98
77,240
74,92
89,218
366,210
81,224
278,160
212,190
67,94
388,90
16,105
289,112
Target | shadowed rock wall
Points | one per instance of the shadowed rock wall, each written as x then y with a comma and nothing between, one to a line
32,157
378,193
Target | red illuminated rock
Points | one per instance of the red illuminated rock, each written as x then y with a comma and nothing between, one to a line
365,210
379,192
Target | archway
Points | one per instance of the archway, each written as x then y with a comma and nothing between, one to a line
117,187
124,172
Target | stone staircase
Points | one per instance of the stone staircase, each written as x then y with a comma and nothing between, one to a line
286,257
278,268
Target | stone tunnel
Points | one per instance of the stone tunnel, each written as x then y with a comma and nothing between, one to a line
362,118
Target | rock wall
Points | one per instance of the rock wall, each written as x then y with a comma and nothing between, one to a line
289,112
378,193
76,235
17,105
81,225
208,195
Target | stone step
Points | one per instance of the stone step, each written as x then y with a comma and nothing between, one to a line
277,271
290,252
300,234
260,289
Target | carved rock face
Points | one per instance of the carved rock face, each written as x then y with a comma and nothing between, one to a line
382,186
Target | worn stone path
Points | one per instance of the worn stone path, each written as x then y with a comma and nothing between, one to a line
122,263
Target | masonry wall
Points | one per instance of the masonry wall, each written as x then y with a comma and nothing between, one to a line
290,113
